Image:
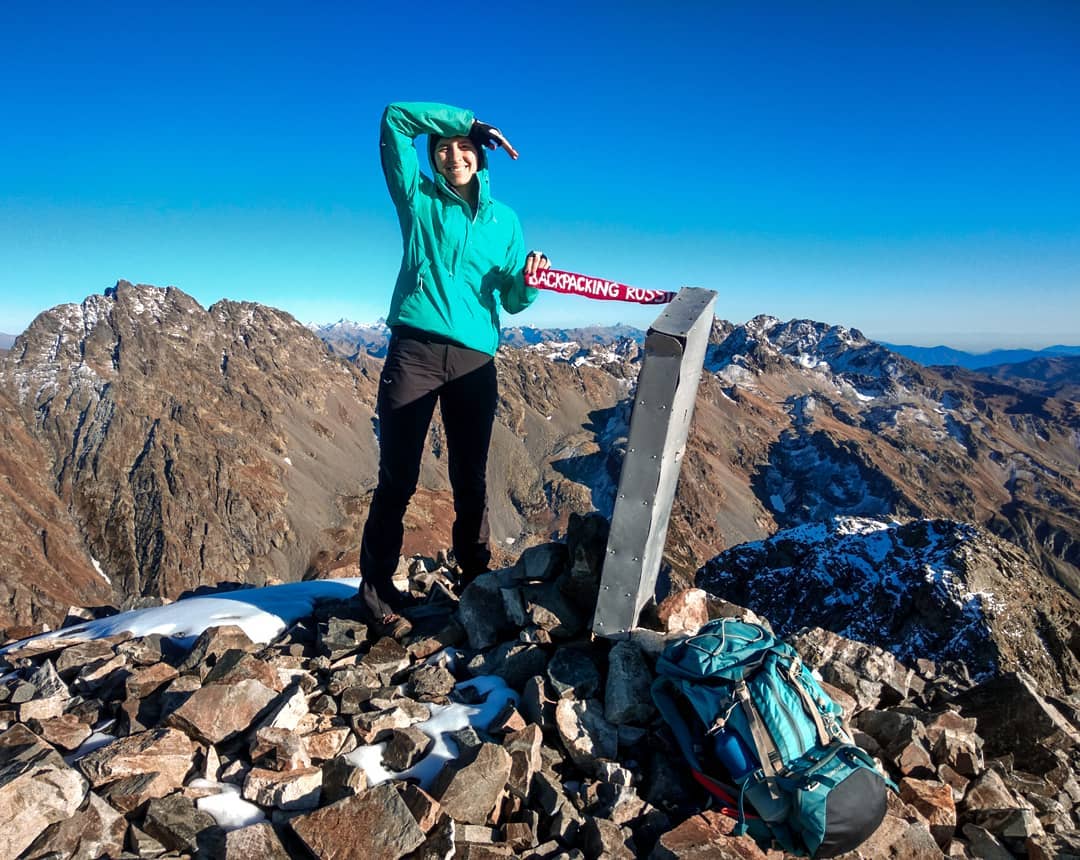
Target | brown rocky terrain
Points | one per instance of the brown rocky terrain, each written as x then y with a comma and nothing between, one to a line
325,731
190,446
43,566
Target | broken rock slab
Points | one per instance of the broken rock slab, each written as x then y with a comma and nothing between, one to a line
213,714
130,792
584,732
707,836
375,824
573,671
482,613
471,793
626,693
288,790
211,644
1014,718
684,611
37,789
255,842
167,752
66,731
934,802
95,830
179,825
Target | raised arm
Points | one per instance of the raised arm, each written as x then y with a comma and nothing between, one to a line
402,123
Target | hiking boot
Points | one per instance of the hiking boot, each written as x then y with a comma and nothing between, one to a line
385,618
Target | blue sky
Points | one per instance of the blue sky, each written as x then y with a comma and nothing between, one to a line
909,169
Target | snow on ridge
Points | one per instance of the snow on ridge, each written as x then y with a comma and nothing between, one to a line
835,350
577,355
902,587
262,613
148,300
101,573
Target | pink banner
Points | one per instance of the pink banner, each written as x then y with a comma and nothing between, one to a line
595,288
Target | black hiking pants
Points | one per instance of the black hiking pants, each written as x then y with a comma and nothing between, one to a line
421,368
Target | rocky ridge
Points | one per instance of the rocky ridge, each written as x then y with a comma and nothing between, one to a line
190,446
187,447
179,447
576,765
925,588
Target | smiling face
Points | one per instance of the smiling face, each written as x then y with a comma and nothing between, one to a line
457,160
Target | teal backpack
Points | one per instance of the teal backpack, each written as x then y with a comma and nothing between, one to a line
759,731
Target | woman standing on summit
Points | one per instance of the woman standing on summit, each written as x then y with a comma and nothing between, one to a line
464,256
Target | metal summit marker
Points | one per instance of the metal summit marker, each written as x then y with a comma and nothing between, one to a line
659,424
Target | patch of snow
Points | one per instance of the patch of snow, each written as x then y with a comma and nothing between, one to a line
859,526
149,300
262,613
101,573
444,720
735,373
777,503
227,807
288,461
99,738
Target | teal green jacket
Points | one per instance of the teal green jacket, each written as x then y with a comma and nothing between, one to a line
458,267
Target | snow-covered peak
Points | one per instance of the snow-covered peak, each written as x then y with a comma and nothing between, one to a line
602,355
765,343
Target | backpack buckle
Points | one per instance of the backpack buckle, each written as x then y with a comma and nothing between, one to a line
721,720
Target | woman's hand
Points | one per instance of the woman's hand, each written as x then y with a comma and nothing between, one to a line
482,134
535,261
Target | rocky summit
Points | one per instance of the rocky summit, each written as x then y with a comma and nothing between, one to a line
331,742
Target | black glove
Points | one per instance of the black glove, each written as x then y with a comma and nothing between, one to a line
484,135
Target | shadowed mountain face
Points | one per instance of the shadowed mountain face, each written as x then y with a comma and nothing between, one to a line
1052,377
189,446
932,589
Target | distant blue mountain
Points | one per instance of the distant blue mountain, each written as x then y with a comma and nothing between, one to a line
6,340
945,355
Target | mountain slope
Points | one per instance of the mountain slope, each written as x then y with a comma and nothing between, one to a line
192,446
196,446
823,422
928,589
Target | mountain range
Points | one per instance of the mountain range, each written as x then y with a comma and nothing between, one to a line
944,355
154,447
